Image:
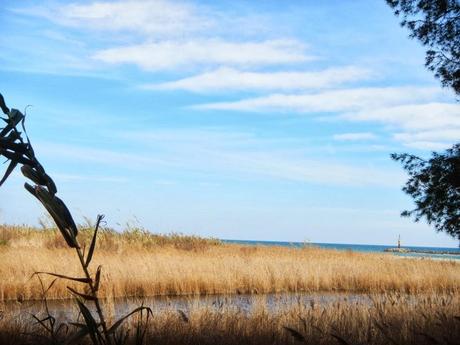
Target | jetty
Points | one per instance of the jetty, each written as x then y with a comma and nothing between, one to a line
421,251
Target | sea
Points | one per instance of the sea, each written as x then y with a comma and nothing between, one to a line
362,248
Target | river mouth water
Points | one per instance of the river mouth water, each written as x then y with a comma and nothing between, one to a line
66,310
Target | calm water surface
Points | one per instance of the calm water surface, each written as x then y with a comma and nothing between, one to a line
65,310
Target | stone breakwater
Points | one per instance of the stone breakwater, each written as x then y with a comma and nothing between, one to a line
420,251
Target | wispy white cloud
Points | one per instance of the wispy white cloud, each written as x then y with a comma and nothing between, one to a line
189,137
218,152
157,18
94,155
433,115
419,116
427,145
301,169
436,139
426,126
63,177
331,101
355,136
158,35
448,134
246,153
165,34
224,79
59,177
172,54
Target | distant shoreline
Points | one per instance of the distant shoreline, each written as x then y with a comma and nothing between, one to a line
364,248
330,245
443,253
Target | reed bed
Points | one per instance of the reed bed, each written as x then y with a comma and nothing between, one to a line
135,237
388,319
137,263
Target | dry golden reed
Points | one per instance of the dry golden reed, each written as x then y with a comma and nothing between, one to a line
137,263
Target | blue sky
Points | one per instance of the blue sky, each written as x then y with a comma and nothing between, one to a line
267,120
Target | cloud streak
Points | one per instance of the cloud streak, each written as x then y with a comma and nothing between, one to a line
412,116
230,79
437,139
225,153
426,126
173,54
157,18
329,101
420,117
165,35
355,136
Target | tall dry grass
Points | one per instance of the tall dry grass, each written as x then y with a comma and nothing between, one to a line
137,263
135,237
388,319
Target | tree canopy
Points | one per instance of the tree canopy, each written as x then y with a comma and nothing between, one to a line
436,24
435,183
435,186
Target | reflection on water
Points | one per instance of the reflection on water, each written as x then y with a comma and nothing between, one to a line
65,310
